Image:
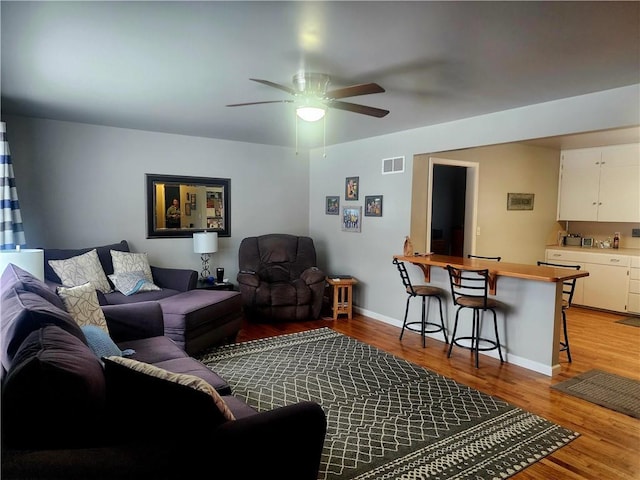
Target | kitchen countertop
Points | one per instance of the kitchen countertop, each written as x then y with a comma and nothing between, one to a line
634,252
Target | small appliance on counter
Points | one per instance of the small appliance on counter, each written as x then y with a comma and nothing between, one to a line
587,242
573,240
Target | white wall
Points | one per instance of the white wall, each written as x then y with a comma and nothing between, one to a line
368,255
83,185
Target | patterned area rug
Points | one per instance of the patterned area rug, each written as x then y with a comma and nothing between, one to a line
387,418
606,389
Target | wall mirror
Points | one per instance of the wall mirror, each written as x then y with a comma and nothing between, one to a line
178,206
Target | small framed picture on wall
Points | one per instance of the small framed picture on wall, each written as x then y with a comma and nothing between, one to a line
351,188
332,206
373,206
351,219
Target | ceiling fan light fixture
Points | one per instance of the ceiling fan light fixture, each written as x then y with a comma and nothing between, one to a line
310,113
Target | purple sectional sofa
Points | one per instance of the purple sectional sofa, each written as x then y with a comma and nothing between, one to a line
194,319
68,413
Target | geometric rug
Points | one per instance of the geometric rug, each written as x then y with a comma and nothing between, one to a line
386,418
633,321
606,389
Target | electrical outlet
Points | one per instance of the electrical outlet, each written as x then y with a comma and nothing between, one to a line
478,231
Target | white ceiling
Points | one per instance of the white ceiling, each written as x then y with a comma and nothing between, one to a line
173,66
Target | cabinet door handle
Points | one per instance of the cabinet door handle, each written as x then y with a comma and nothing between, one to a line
557,254
614,260
594,203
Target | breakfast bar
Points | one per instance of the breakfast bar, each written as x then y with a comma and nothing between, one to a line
531,322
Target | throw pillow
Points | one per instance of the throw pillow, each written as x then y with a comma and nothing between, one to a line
165,390
100,342
124,262
129,283
54,395
79,270
82,304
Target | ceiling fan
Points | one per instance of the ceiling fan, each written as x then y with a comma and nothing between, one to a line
312,98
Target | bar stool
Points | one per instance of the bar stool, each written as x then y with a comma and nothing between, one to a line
469,288
497,259
423,291
568,287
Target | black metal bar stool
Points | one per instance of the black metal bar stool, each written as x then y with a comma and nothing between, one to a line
568,287
425,292
469,288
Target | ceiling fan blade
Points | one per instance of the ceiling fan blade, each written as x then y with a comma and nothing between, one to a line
352,107
284,88
259,103
355,90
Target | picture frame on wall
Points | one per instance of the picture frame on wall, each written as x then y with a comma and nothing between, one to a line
351,188
351,219
332,205
373,205
520,201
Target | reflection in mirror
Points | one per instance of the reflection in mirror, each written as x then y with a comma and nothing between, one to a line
178,206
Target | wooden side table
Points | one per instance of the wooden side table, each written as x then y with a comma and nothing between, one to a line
342,296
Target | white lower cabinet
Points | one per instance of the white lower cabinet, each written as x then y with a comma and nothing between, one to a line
633,303
607,286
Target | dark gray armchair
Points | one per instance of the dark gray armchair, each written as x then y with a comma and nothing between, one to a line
279,279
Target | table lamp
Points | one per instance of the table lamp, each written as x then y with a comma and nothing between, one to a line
205,243
28,259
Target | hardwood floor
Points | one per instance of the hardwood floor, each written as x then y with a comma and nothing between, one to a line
609,445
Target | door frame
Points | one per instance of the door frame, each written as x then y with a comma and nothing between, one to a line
471,201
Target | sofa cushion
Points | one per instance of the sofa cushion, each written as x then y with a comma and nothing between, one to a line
54,394
153,349
29,283
82,304
104,254
191,366
124,262
22,313
141,398
81,269
129,283
118,298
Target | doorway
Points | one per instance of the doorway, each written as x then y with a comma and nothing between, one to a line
452,207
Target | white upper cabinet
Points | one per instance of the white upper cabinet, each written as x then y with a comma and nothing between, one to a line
600,184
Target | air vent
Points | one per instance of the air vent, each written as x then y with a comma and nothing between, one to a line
392,165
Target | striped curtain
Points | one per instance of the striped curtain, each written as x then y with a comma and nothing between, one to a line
12,232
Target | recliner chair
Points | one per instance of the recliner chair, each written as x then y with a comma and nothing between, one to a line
279,279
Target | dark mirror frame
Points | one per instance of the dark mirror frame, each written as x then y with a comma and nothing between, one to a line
183,186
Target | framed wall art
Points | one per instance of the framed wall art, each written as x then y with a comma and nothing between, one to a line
332,205
520,201
373,205
351,188
351,219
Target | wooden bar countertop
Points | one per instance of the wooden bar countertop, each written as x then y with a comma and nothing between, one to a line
496,269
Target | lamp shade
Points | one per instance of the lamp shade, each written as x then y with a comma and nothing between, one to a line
205,242
28,259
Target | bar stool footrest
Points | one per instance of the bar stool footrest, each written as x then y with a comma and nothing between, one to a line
493,345
412,326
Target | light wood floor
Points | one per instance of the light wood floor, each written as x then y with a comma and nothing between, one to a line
609,445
